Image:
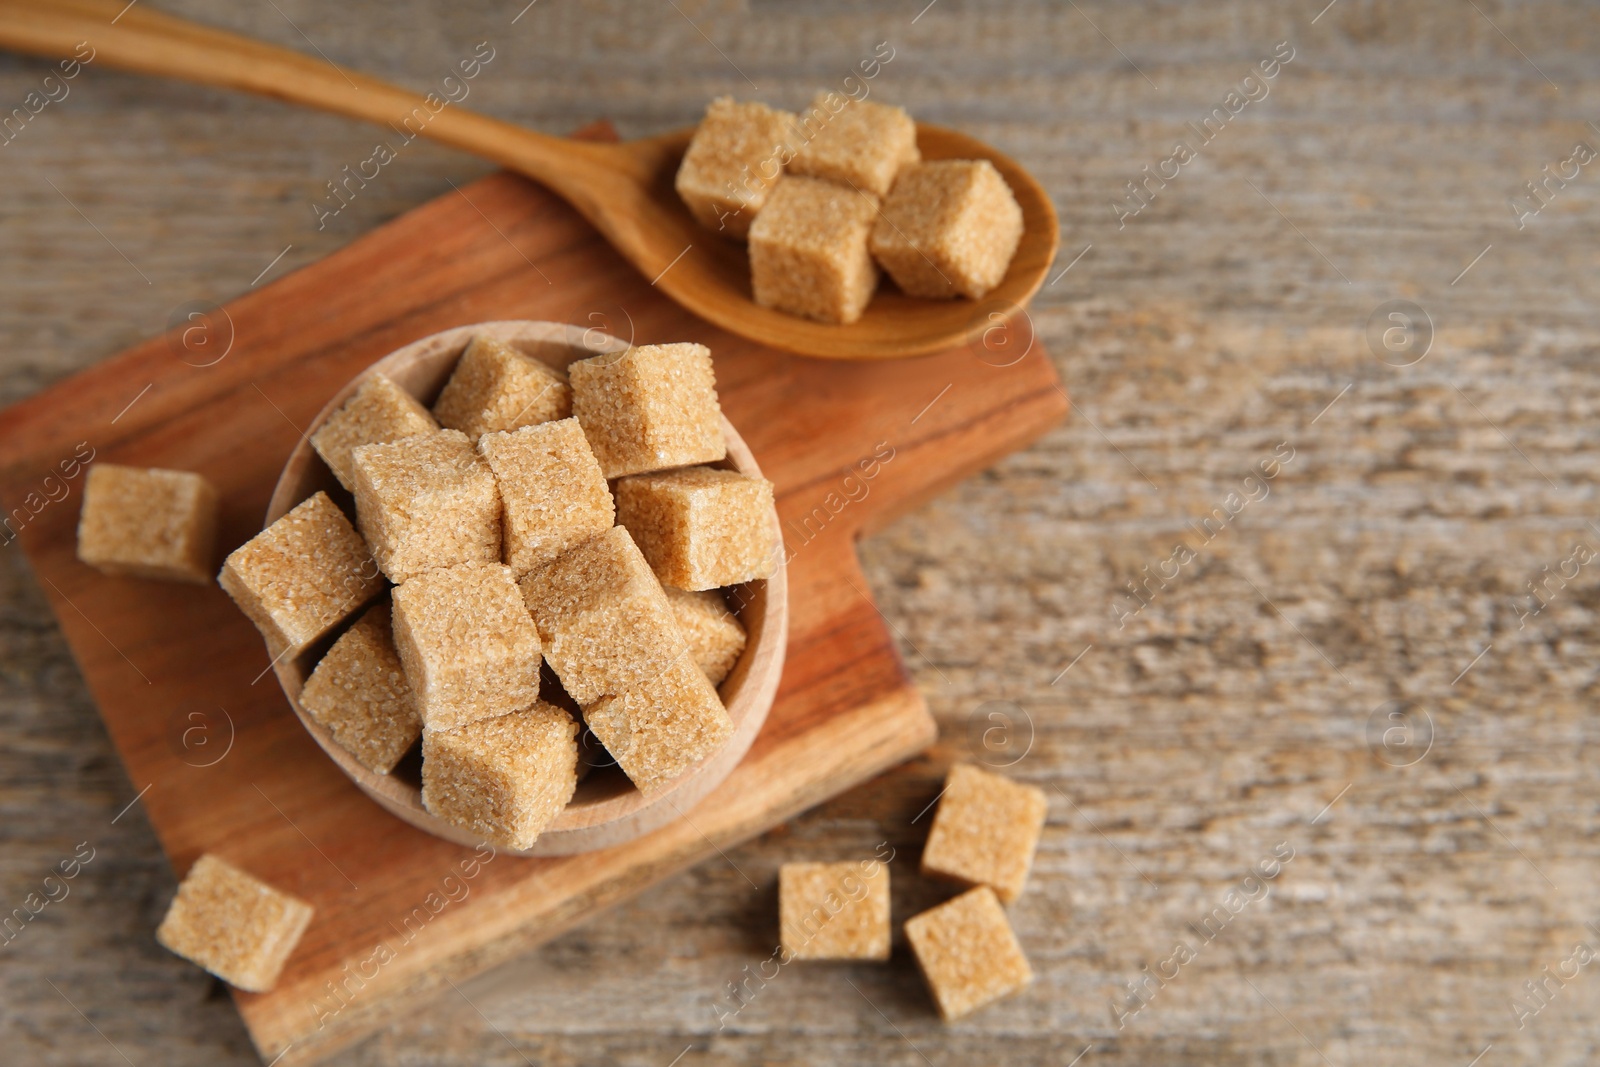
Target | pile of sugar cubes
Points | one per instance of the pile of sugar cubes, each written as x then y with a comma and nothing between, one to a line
533,517
984,835
828,197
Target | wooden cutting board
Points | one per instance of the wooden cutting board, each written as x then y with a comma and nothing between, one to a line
181,677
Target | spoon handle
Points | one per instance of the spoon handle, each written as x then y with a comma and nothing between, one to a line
133,37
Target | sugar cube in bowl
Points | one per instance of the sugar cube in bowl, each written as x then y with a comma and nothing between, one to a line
606,808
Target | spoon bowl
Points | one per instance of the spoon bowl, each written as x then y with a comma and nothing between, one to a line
712,278
625,190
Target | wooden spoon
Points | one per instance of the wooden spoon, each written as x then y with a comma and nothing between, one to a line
625,190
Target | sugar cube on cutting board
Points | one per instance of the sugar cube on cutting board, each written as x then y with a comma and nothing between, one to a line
148,523
233,924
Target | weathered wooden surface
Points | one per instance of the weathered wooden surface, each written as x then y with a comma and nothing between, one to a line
225,765
1182,747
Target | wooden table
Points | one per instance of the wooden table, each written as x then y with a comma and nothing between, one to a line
1279,691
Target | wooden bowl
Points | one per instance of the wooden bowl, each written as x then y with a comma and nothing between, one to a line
606,809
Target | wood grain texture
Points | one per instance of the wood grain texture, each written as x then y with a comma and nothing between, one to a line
1194,339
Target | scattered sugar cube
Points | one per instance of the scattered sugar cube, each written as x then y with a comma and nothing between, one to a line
603,619
949,228
855,143
967,952
649,408
716,636
699,527
495,388
378,412
469,649
662,726
553,495
505,778
360,694
427,501
301,576
735,157
148,523
233,924
985,831
808,250
834,911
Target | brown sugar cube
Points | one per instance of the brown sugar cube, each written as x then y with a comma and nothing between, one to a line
503,778
233,924
359,693
469,649
377,413
808,251
949,228
834,911
967,952
427,501
553,495
663,725
148,523
855,143
495,388
985,831
603,619
649,408
701,528
301,576
734,158
716,636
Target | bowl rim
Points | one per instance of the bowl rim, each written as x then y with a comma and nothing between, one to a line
748,691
